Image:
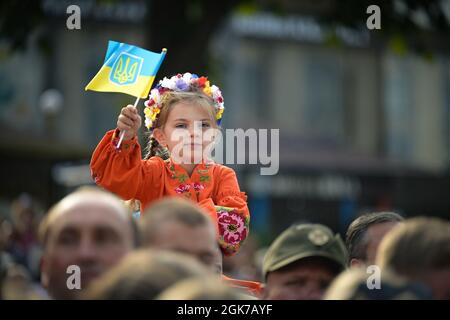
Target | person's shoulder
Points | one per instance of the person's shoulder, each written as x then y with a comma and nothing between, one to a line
222,169
155,161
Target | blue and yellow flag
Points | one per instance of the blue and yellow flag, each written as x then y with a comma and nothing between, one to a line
127,69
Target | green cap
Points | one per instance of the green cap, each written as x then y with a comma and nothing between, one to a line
305,241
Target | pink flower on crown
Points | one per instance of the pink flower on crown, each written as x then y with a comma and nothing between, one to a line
231,227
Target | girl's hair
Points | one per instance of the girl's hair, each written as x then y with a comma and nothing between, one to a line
169,99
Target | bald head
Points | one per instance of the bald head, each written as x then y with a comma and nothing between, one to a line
89,228
78,205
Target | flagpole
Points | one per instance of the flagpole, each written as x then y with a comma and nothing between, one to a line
122,134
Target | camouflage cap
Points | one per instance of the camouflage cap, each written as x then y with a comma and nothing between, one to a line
304,241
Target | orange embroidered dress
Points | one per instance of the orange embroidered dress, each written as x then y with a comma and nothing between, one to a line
213,186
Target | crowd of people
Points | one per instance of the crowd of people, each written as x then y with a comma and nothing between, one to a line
171,251
167,226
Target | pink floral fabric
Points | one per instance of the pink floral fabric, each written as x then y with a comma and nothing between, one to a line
233,228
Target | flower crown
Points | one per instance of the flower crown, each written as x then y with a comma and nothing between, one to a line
180,82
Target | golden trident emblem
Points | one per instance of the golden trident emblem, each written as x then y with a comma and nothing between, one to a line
122,74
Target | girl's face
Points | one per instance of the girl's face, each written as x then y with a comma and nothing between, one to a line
187,133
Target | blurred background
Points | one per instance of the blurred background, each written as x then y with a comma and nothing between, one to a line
364,115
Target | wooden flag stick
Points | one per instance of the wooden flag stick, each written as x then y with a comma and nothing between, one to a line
122,134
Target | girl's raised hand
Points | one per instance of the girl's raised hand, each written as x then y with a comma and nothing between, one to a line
129,121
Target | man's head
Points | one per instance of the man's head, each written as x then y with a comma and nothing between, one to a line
202,288
353,284
365,234
180,225
89,228
302,262
419,250
143,275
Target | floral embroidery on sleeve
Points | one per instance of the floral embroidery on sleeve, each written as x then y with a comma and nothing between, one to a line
233,229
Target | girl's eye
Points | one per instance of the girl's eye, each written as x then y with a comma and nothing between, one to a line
180,126
205,125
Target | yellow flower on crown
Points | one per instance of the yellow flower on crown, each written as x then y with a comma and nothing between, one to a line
207,89
150,115
156,111
219,114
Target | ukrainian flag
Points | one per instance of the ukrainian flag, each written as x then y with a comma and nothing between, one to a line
127,69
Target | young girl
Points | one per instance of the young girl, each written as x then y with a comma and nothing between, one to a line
182,108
